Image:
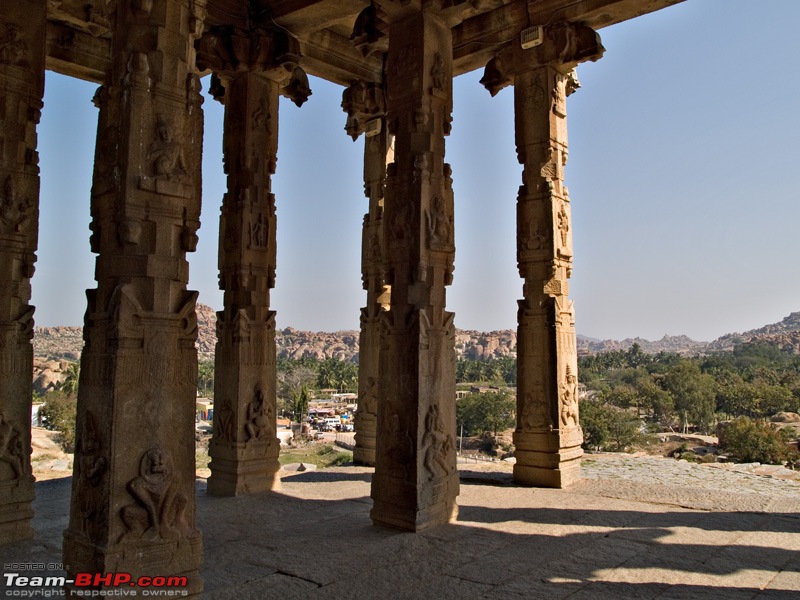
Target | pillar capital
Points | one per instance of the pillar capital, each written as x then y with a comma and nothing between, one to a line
564,46
365,104
229,51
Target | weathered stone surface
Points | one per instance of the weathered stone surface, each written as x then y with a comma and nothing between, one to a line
22,58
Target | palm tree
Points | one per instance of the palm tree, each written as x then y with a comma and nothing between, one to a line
70,384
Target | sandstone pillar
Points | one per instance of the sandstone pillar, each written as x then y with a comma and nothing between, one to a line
22,56
415,483
366,107
548,436
132,506
244,448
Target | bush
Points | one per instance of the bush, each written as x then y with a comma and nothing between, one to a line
325,449
746,440
58,414
341,458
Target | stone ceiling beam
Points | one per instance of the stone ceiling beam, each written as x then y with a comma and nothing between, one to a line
334,58
476,39
76,53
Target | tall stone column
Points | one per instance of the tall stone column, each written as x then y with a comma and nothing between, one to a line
132,506
22,56
249,78
415,483
366,108
548,436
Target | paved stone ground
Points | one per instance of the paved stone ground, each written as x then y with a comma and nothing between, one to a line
633,528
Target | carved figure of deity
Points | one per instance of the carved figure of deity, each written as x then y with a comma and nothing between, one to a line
166,154
260,420
11,450
569,400
160,505
437,444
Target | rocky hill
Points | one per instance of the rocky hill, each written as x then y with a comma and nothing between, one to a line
785,334
67,342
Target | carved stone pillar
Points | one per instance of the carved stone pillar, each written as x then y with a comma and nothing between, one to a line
132,506
548,436
244,447
251,69
22,56
416,483
366,107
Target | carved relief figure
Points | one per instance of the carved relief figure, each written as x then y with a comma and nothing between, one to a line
223,419
90,470
535,238
534,411
438,223
569,399
368,402
401,224
400,448
260,115
13,210
437,443
437,73
160,505
11,449
259,232
13,50
563,225
260,419
166,154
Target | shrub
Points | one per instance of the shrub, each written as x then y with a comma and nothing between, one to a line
325,449
341,458
746,440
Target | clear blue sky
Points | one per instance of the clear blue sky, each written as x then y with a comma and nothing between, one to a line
684,148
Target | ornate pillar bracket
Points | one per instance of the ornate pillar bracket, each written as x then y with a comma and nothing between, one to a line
365,105
251,68
268,50
22,63
416,483
548,436
132,506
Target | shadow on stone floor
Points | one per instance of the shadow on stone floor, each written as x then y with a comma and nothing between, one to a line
314,539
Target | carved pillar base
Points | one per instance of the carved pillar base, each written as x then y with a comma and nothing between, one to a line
364,452
548,459
248,468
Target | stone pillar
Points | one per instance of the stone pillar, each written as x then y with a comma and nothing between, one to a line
366,107
416,483
132,506
244,447
22,56
548,436
251,67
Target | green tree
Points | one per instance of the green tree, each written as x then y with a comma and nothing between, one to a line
300,406
58,413
694,394
607,427
205,378
487,412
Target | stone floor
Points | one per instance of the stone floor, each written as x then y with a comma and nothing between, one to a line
690,534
